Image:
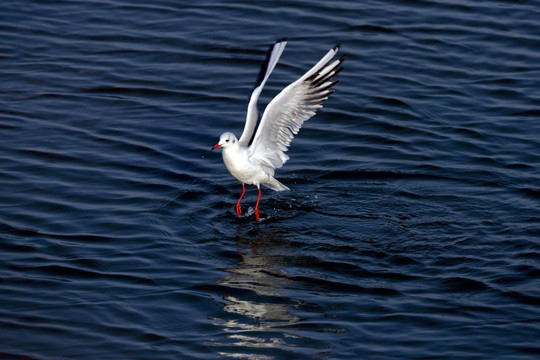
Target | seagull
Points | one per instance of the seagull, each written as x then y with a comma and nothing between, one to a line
253,159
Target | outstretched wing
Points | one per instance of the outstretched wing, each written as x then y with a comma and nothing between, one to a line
272,58
286,113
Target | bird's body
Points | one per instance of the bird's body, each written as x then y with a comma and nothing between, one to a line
237,159
254,163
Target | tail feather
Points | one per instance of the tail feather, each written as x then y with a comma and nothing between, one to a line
273,184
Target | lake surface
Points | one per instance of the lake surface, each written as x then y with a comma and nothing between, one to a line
411,231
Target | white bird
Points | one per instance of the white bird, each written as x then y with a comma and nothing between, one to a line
254,163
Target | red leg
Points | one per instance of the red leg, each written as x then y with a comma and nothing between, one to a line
238,209
257,206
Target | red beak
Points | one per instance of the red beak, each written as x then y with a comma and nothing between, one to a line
216,146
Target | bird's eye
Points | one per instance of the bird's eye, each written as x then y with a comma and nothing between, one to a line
227,140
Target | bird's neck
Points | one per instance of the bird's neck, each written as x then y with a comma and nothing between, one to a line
234,153
233,150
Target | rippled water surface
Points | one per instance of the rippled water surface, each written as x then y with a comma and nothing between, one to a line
411,229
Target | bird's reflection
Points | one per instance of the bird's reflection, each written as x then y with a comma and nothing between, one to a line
259,315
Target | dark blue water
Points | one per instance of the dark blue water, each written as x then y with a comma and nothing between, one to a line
411,231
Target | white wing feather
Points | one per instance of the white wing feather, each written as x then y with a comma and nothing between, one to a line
286,113
274,53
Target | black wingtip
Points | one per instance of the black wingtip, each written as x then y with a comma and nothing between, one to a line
337,46
266,61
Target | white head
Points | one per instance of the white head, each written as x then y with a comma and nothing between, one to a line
226,140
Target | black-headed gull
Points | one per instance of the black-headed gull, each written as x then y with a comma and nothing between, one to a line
254,163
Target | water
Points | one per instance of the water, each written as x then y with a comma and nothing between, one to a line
411,229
